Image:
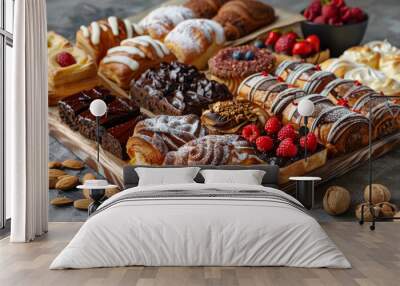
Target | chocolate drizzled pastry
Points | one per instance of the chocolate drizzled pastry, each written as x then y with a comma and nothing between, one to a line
229,117
176,89
69,108
118,111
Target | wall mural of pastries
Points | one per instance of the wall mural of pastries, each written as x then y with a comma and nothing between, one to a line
179,93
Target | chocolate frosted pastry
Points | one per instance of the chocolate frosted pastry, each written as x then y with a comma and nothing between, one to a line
385,114
154,137
70,107
306,76
214,150
115,138
229,117
241,17
176,89
118,111
268,92
205,8
337,128
231,65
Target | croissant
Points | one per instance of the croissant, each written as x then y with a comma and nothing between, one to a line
100,36
195,41
205,8
241,17
161,21
268,92
154,137
336,127
134,56
214,150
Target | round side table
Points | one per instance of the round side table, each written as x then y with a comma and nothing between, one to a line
305,190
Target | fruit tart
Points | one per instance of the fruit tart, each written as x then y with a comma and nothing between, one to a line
289,46
232,65
70,71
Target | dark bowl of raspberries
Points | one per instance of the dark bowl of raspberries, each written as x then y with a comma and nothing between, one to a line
338,26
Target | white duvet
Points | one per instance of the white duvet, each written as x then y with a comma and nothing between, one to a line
202,231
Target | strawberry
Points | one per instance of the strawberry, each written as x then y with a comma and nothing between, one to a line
292,35
65,59
264,143
285,44
272,125
320,20
303,49
311,143
287,132
330,11
286,149
315,42
313,10
251,133
272,37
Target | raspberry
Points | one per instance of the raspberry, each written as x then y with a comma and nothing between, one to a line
330,11
251,133
272,125
312,143
339,3
285,44
287,132
320,20
357,14
264,143
286,149
65,59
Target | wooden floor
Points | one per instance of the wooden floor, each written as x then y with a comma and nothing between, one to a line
375,257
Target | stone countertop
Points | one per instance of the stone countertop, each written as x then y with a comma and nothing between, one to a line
65,17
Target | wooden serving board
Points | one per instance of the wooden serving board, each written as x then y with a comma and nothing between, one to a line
111,167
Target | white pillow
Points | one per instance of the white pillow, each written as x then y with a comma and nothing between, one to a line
247,177
166,176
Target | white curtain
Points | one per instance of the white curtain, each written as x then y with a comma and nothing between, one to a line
26,123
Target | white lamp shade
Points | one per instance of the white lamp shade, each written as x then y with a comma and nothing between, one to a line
98,107
305,107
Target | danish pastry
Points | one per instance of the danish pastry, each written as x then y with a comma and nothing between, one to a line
241,17
161,21
383,47
362,55
134,56
56,42
194,41
390,65
338,66
205,8
100,36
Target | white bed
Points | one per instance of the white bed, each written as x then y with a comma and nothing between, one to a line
246,225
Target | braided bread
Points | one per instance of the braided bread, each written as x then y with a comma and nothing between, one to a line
102,35
134,56
214,150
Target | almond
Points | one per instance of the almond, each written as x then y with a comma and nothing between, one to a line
61,201
82,204
54,175
73,164
54,165
52,182
67,183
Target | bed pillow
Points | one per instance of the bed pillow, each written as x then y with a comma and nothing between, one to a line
166,176
247,177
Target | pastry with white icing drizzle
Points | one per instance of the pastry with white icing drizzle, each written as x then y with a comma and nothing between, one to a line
134,56
99,36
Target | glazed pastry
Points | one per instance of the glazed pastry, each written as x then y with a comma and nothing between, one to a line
214,150
351,94
390,65
119,110
195,41
134,56
336,127
229,117
70,70
56,42
205,9
162,20
70,107
232,65
338,66
383,47
268,92
374,79
100,36
241,17
362,55
306,76
176,89
154,137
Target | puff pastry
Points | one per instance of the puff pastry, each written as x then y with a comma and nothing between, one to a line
56,42
134,56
